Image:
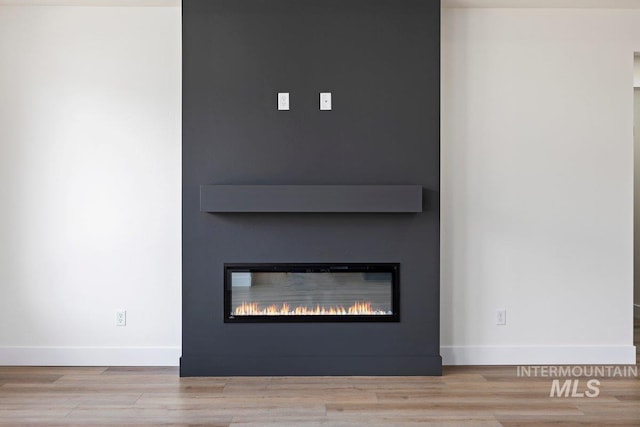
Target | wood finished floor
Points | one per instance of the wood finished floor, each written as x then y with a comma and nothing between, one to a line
463,396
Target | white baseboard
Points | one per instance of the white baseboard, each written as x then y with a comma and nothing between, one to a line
90,356
538,355
451,355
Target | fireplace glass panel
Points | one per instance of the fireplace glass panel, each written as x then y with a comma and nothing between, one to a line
312,292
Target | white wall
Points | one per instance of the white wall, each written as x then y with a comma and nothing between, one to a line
90,185
636,229
636,71
537,185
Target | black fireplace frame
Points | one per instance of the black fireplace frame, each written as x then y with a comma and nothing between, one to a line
393,268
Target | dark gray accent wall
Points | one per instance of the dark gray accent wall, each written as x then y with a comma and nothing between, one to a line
381,61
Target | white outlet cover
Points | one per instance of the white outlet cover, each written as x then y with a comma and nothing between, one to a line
325,101
501,317
283,101
121,318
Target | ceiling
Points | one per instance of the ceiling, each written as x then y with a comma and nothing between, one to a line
557,4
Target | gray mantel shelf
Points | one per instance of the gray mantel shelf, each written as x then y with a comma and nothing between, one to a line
311,198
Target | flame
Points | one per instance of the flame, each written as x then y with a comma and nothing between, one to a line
254,309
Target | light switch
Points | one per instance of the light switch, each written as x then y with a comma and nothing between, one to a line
325,101
283,101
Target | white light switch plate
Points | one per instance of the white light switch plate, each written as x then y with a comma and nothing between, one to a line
325,101
283,101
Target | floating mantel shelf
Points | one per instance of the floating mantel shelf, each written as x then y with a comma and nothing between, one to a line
311,198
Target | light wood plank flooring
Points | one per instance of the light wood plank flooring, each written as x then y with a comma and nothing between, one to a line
463,396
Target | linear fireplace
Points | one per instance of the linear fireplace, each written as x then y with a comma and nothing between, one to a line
311,293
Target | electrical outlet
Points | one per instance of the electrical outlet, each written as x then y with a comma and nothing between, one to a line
121,318
501,317
325,101
283,101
